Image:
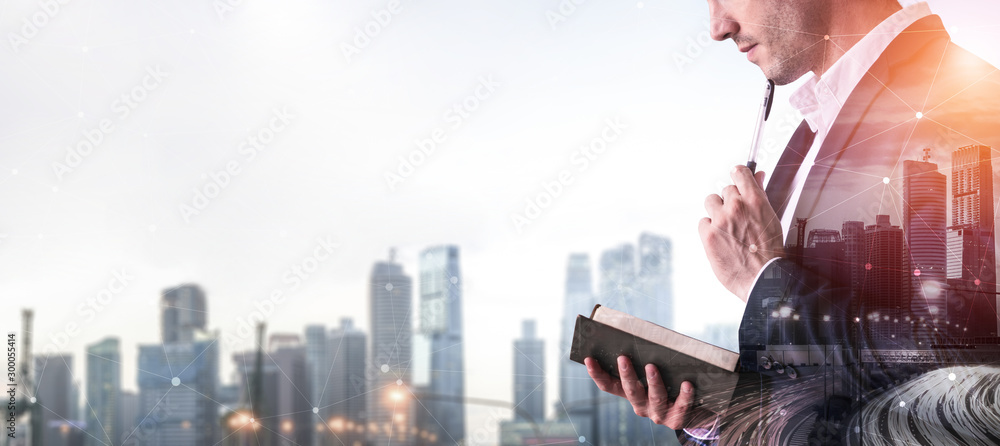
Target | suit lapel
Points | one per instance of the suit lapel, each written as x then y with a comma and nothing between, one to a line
779,187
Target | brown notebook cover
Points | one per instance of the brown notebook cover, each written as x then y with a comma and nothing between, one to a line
714,385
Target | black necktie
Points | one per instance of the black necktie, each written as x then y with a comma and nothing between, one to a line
779,188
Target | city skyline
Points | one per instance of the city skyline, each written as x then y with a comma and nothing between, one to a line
289,232
322,361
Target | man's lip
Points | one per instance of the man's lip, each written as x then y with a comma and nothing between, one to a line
750,52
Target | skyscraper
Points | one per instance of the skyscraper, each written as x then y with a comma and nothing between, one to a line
183,313
576,390
177,384
103,391
853,235
617,280
283,411
128,418
286,392
390,402
925,197
656,279
441,324
972,306
318,367
529,375
345,408
56,394
887,281
620,289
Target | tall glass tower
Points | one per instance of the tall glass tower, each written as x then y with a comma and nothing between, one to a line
972,273
390,402
529,375
656,279
441,325
576,390
925,196
103,390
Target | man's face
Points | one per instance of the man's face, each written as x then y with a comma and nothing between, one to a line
785,38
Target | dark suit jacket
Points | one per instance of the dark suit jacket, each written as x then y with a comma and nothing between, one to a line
887,294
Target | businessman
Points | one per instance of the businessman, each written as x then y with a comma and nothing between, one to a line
891,176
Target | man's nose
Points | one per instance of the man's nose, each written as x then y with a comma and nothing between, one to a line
722,24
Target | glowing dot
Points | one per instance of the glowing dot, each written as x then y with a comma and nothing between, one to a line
920,115
454,280
399,382
978,282
388,287
885,180
582,439
252,420
783,412
33,400
826,37
902,404
868,266
385,368
315,410
951,376
753,248
175,381
826,318
916,272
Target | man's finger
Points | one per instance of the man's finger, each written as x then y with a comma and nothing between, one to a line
604,381
760,176
745,181
634,390
678,411
730,192
659,400
712,204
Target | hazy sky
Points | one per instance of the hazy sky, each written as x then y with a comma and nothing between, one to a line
179,92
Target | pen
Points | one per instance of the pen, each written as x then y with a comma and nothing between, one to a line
758,132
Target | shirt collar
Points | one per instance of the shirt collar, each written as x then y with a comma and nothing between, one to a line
819,100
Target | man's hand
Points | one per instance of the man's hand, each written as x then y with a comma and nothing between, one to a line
652,403
741,233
